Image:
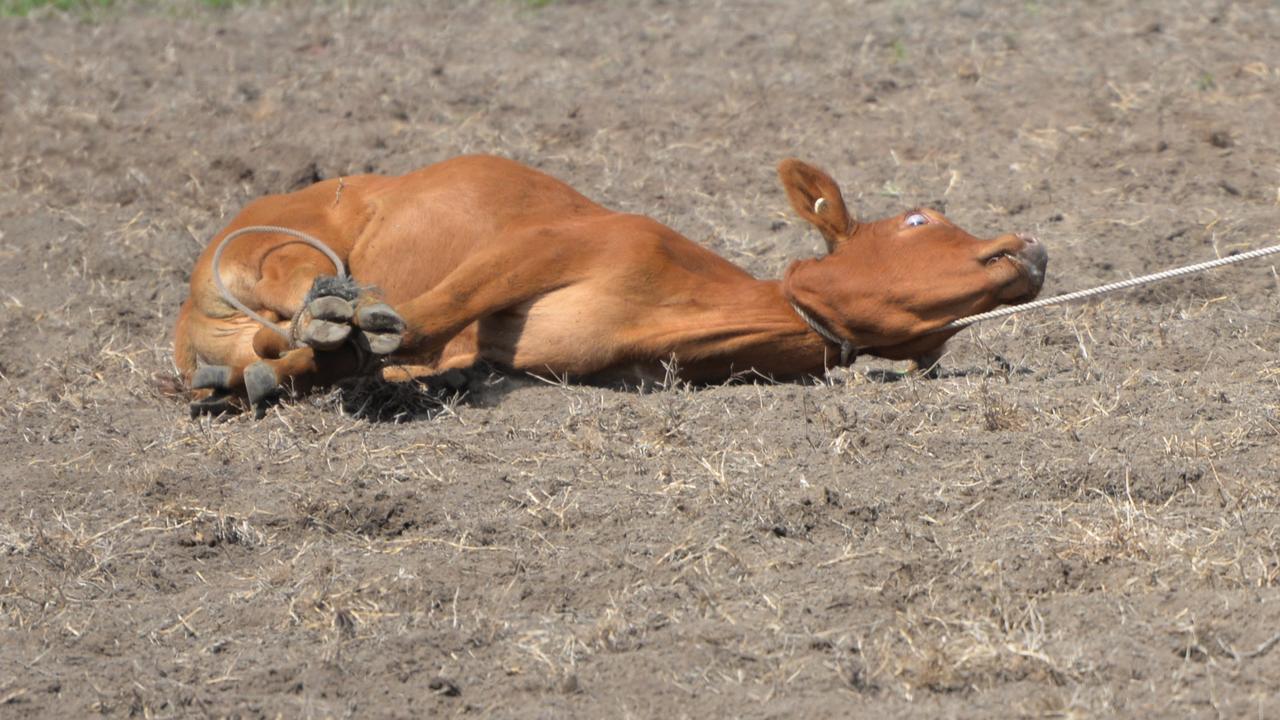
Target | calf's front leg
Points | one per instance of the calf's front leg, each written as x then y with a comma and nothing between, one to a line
488,282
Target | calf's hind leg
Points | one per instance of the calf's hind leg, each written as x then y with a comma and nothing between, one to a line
339,333
299,370
338,329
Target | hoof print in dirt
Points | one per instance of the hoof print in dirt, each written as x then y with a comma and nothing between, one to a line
261,386
445,687
380,328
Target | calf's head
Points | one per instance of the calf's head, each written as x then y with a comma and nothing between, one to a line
885,285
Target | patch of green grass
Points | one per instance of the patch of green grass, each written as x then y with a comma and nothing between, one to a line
21,8
899,50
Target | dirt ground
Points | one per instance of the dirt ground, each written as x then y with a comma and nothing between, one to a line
1080,518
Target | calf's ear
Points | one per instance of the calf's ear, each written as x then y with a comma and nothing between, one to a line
816,198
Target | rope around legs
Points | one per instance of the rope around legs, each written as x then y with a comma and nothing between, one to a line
1110,287
226,294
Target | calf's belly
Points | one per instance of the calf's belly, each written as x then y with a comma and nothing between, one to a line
569,331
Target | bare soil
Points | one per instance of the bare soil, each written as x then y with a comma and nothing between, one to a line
1080,518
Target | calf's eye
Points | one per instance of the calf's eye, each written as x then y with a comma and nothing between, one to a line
916,220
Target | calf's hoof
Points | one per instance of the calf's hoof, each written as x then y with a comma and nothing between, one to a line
325,322
335,307
216,403
261,387
217,380
211,377
381,328
927,366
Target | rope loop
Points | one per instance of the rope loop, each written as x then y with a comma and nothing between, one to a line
297,234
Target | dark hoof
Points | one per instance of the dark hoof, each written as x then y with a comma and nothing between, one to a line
326,322
927,364
379,343
323,334
217,377
381,328
332,308
930,372
261,386
379,317
215,404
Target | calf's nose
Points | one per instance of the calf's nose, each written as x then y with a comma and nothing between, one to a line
1035,257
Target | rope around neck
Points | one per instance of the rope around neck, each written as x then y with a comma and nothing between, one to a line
1110,287
848,353
298,234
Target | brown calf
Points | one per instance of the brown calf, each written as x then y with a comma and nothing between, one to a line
480,258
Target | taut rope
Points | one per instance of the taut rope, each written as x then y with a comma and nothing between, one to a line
1110,287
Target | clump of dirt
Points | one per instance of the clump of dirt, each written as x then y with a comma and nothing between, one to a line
1077,518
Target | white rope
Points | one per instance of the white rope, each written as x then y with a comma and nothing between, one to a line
1110,287
226,294
847,351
